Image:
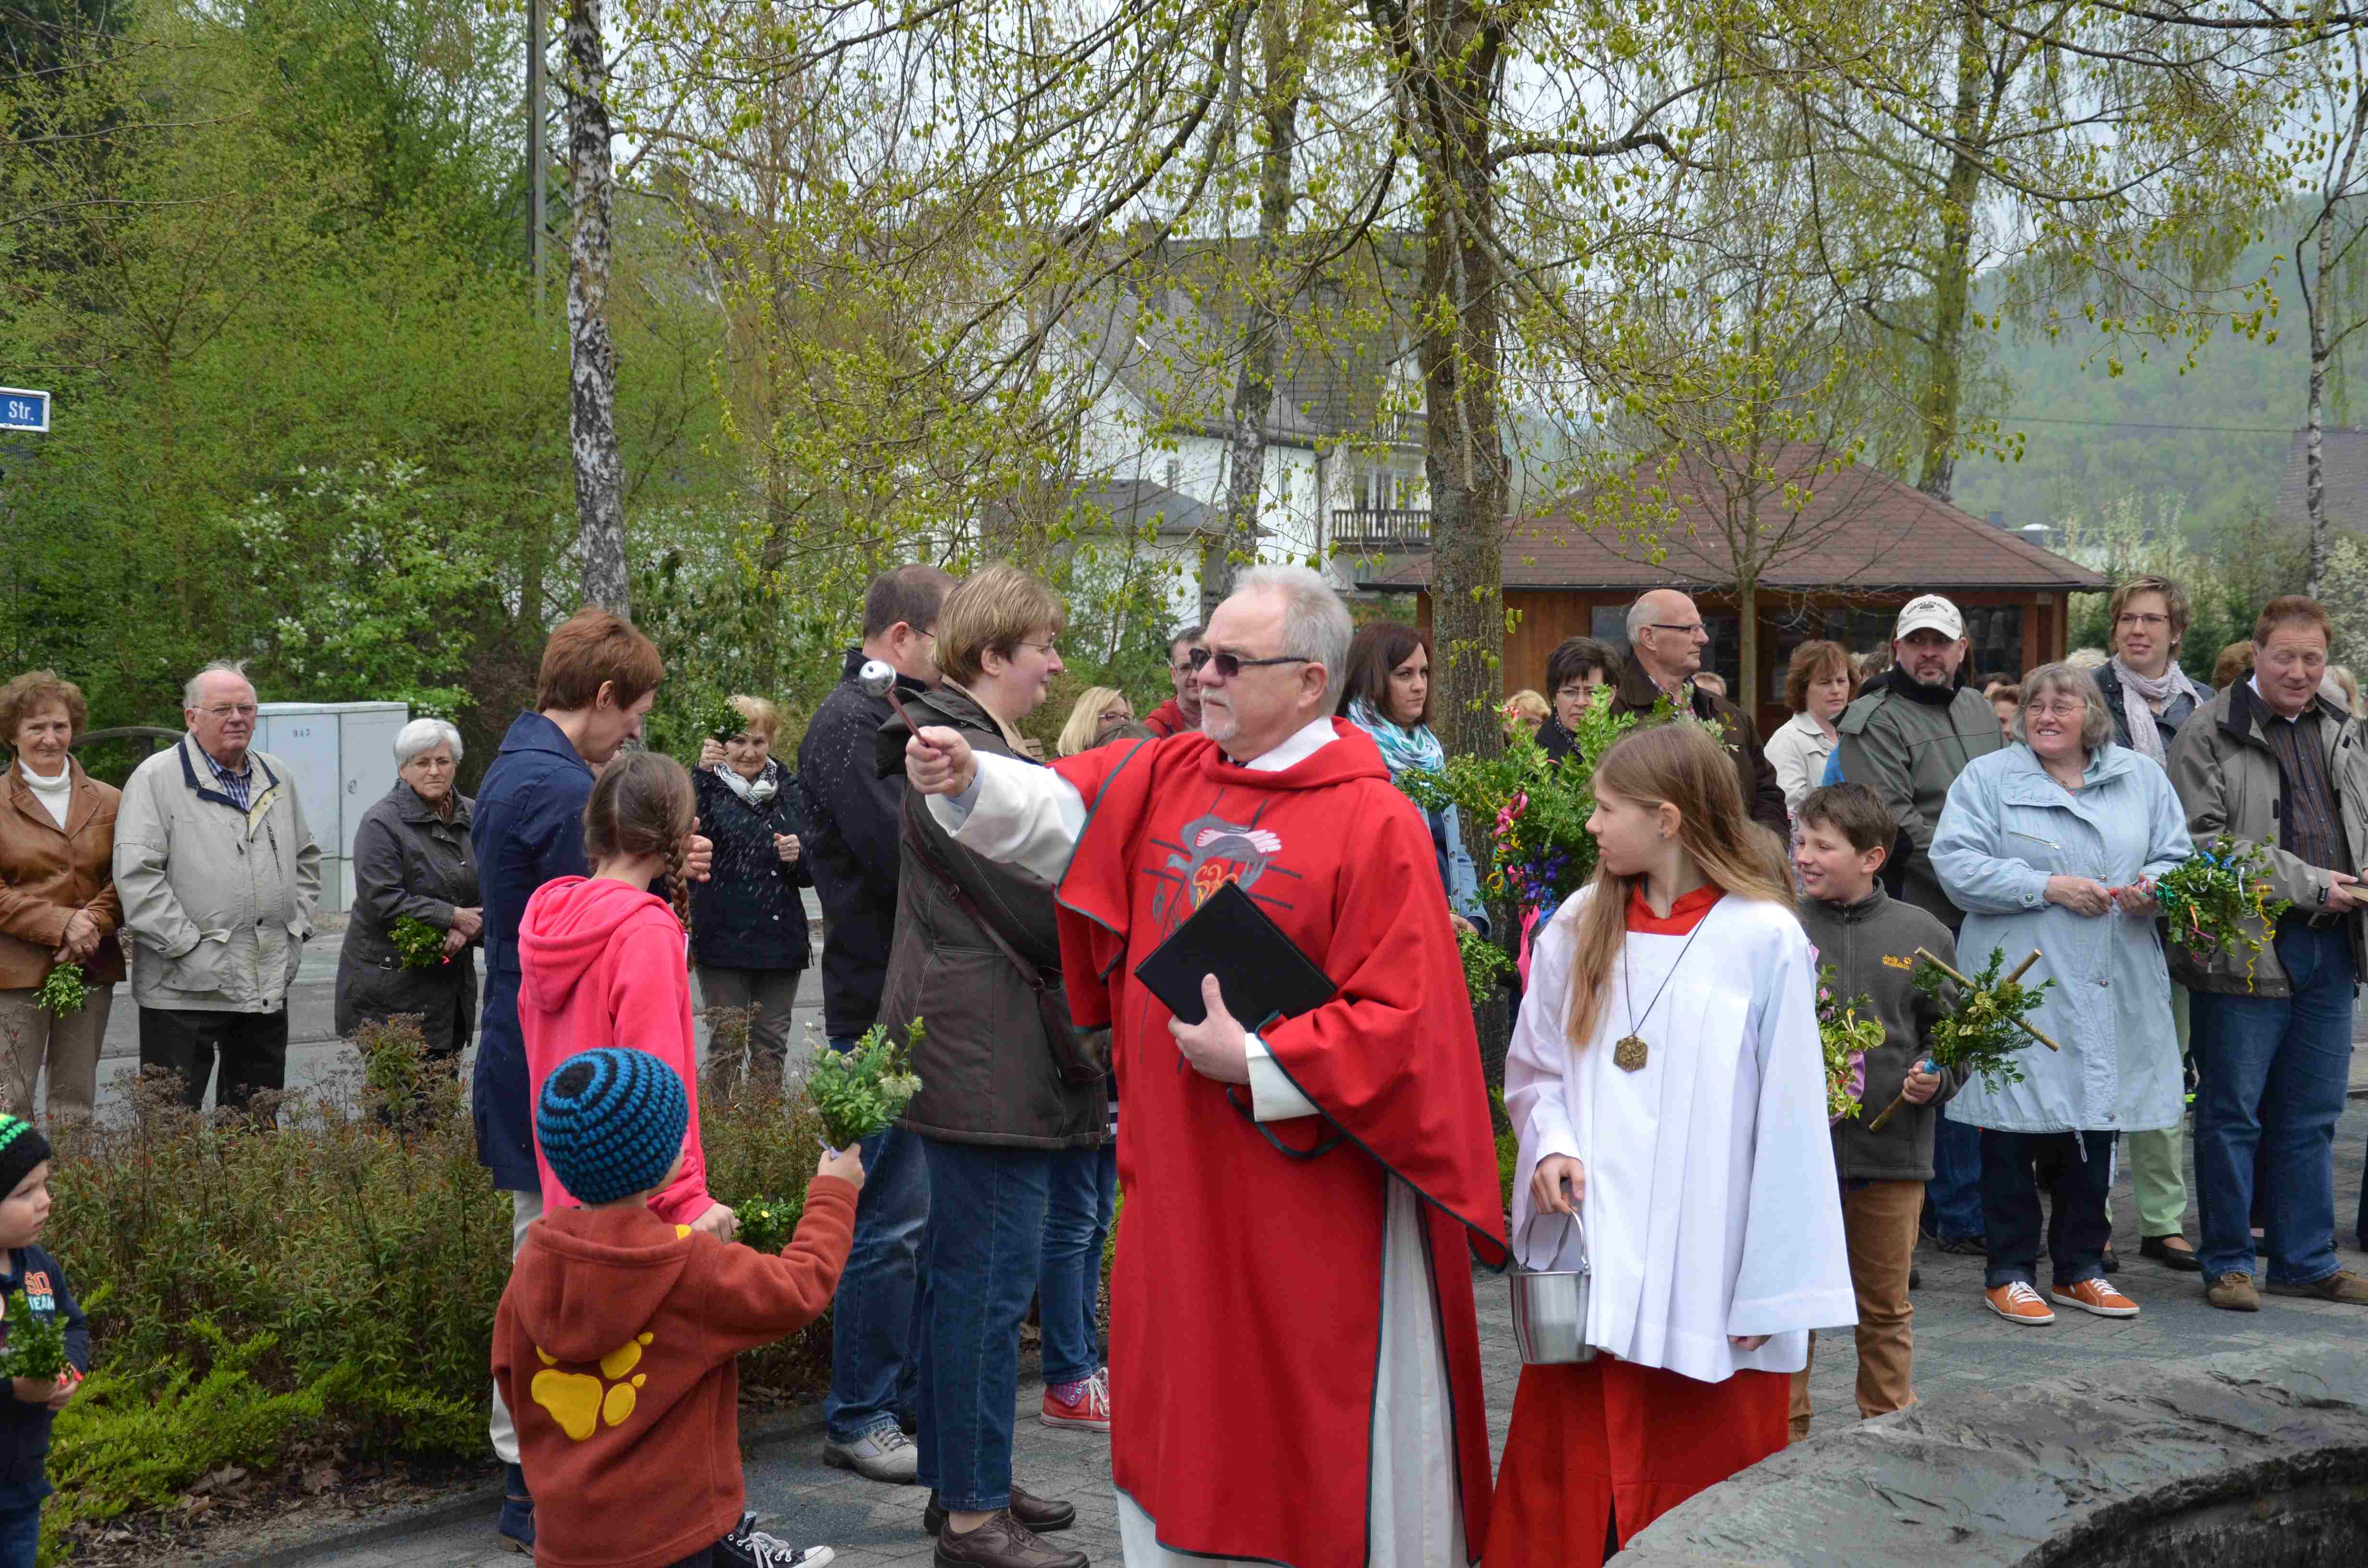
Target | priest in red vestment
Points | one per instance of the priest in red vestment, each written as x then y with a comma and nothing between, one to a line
1295,1356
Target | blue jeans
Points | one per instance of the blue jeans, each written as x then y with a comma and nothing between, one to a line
1082,1197
980,1254
1954,1196
2274,1070
873,1369
2076,1171
21,1523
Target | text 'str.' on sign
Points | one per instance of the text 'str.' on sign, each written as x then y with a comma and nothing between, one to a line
23,410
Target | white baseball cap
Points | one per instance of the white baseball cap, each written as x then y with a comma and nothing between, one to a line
1933,613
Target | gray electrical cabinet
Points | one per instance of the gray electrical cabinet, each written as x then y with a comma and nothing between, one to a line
340,757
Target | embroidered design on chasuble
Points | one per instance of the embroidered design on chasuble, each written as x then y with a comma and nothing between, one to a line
1208,852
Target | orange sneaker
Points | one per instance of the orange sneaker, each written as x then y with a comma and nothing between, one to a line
2096,1296
2018,1303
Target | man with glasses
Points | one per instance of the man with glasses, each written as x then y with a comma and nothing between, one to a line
1910,735
1666,638
1180,714
219,876
1224,1450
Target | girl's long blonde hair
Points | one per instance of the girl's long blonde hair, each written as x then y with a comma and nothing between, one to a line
1681,765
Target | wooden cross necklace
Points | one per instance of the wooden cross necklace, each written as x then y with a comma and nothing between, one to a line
1631,1053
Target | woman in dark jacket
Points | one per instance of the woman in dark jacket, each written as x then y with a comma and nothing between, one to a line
748,922
1001,1105
412,858
1575,670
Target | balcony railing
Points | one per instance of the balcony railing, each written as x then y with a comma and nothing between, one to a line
1400,529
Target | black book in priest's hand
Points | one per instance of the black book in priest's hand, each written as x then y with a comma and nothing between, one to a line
1262,973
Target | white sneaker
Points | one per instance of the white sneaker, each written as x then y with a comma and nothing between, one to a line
883,1454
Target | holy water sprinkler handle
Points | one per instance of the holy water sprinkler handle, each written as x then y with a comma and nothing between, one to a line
878,678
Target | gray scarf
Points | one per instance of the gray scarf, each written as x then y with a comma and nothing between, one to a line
2138,695
767,785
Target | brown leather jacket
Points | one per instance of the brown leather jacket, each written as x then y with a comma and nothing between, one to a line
46,874
1763,798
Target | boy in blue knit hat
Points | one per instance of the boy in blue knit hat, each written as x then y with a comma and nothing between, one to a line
616,1343
30,1405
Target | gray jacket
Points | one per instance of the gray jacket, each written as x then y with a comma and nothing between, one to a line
1908,749
217,903
1872,945
2228,781
408,860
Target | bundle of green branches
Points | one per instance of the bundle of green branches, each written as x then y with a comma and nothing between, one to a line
1848,1029
64,990
858,1092
767,1224
1985,1020
1484,964
722,720
37,1343
2218,901
420,944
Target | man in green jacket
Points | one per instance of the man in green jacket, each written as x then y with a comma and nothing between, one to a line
1907,738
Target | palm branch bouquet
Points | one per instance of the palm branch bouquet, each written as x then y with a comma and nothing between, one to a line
1848,1029
1985,1020
63,992
1484,964
37,1343
2218,901
420,944
858,1092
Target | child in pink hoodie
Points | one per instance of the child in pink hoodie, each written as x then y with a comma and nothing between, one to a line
602,962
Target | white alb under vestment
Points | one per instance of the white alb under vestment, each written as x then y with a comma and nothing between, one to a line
1713,1207
1032,817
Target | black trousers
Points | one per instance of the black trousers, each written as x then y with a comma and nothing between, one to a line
253,1049
2076,1171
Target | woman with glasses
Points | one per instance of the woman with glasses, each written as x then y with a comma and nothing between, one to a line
1387,695
1575,671
2055,843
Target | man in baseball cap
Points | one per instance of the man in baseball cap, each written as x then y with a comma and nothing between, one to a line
1907,738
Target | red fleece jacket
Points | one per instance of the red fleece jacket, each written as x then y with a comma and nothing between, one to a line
614,1347
605,963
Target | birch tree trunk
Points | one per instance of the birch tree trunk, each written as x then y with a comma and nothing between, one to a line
2319,303
592,377
1263,341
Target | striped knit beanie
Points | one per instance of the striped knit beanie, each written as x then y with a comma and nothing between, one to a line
21,1148
610,1122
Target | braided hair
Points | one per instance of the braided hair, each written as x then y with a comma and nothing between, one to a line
642,803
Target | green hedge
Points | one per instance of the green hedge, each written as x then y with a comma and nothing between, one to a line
329,1279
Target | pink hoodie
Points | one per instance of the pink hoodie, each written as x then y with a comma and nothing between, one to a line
604,963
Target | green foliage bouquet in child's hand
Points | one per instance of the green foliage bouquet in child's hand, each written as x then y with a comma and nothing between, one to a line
63,992
767,1224
420,944
1985,1021
858,1092
37,1344
2218,901
1848,1029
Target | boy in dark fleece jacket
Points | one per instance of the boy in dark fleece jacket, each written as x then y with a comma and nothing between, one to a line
614,1344
30,1405
1843,835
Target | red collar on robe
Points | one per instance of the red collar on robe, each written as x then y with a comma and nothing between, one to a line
1684,917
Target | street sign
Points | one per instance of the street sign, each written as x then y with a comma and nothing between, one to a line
23,410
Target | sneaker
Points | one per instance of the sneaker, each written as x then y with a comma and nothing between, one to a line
1088,1406
2341,1286
748,1547
2233,1292
2097,1297
883,1454
517,1526
2018,1303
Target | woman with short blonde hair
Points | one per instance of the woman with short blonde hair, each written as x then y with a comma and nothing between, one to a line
995,611
1099,707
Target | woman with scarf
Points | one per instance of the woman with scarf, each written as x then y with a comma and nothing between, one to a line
1387,695
748,921
2149,696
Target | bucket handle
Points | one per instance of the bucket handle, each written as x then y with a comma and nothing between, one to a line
1572,1216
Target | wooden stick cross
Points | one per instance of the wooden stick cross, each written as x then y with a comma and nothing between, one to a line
2020,971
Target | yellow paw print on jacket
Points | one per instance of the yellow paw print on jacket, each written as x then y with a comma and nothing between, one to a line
580,1402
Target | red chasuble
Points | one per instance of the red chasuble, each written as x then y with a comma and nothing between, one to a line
1245,1303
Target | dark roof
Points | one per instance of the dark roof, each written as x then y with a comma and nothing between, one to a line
1861,529
1136,503
2345,454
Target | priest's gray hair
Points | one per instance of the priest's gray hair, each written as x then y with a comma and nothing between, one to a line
421,736
1314,622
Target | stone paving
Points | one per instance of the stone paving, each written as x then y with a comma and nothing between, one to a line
1959,1345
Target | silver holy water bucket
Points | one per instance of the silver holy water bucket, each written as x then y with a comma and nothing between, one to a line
1549,1307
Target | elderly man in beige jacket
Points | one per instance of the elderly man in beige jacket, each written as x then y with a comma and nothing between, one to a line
218,877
